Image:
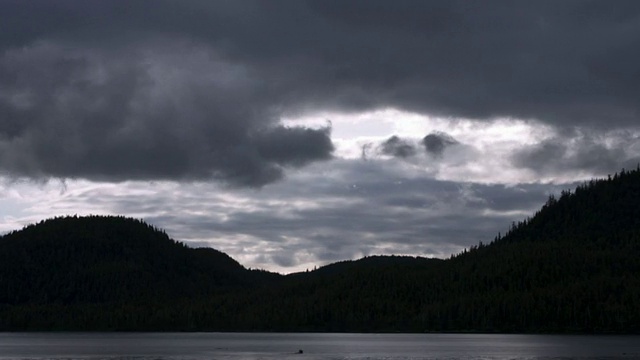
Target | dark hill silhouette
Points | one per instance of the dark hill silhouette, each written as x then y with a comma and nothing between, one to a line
572,267
100,259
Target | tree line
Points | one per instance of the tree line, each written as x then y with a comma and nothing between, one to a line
571,267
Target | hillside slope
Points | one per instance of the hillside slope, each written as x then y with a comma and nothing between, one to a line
99,259
572,267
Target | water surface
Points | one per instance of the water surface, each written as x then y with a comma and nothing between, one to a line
268,346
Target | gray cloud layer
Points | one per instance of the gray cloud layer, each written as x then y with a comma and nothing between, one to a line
194,89
357,208
143,114
589,152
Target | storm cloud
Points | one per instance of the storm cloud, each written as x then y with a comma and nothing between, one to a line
143,114
173,90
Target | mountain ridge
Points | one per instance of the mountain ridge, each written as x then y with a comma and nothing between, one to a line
572,267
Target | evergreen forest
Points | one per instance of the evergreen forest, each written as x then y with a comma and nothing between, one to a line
572,267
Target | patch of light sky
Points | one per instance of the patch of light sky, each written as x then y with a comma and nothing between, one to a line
483,157
380,124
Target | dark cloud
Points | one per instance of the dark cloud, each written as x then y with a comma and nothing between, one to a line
137,115
567,63
397,147
294,145
435,143
170,90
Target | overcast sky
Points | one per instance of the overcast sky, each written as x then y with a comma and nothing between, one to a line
292,134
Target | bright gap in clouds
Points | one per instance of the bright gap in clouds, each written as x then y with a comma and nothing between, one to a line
493,151
485,175
482,153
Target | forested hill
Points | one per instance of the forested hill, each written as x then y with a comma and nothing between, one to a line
99,259
574,266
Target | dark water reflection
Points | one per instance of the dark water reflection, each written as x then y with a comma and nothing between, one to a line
254,346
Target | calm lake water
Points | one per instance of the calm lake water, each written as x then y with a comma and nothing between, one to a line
236,346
